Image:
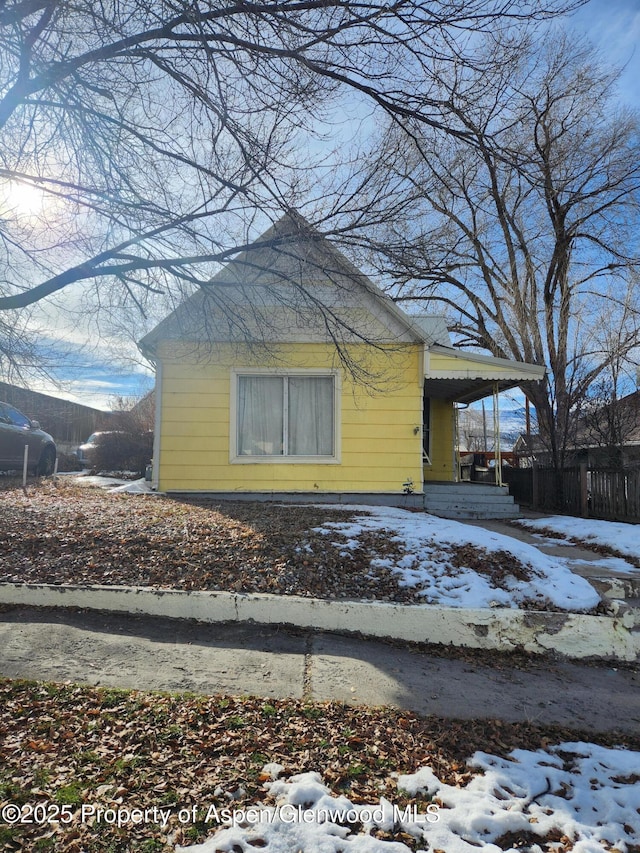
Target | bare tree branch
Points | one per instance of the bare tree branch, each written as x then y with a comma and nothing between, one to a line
154,130
529,236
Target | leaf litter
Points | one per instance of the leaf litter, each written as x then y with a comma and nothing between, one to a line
101,751
63,533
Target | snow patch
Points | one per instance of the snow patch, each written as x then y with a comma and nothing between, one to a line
585,793
423,542
621,537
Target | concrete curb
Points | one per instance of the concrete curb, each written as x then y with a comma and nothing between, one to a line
573,635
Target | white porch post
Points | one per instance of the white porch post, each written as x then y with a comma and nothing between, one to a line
496,433
456,443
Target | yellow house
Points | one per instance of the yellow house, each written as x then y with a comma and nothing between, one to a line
292,374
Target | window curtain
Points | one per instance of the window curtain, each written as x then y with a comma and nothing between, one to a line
311,416
260,415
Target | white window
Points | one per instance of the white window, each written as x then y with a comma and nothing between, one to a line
288,417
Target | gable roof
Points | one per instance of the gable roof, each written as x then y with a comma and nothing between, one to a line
290,286
293,286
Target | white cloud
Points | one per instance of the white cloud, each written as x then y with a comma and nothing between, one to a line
614,27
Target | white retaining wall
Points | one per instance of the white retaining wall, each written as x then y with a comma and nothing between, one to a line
574,635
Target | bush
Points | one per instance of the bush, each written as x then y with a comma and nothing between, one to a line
68,462
123,451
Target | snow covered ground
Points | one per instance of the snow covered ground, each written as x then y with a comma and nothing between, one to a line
623,538
136,487
584,797
425,545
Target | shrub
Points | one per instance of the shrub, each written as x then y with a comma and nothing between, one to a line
68,462
123,451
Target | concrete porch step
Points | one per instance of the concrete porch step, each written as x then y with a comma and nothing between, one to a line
474,490
469,501
493,501
478,514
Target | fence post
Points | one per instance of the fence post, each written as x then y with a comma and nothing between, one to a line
25,468
584,492
534,486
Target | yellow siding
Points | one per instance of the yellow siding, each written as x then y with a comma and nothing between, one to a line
442,431
381,445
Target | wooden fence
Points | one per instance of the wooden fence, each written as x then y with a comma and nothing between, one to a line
593,492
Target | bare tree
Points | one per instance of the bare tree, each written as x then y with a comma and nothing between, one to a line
529,235
147,135
610,416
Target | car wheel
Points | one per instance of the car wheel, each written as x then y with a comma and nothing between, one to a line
47,462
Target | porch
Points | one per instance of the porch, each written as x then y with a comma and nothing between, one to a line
453,380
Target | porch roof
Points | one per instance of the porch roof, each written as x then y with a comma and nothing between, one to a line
465,377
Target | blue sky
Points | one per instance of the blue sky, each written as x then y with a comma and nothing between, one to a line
94,374
92,366
614,26
94,379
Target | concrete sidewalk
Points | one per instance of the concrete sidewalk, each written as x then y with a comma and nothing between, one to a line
582,561
152,653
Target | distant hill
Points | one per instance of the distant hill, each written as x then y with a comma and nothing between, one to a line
512,424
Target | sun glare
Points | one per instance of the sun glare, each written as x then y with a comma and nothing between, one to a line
18,200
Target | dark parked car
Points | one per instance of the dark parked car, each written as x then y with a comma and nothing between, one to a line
86,452
16,431
117,450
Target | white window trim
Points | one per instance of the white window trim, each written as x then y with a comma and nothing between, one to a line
236,459
155,462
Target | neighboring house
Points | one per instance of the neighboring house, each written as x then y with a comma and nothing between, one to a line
606,437
609,434
260,392
529,449
69,423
